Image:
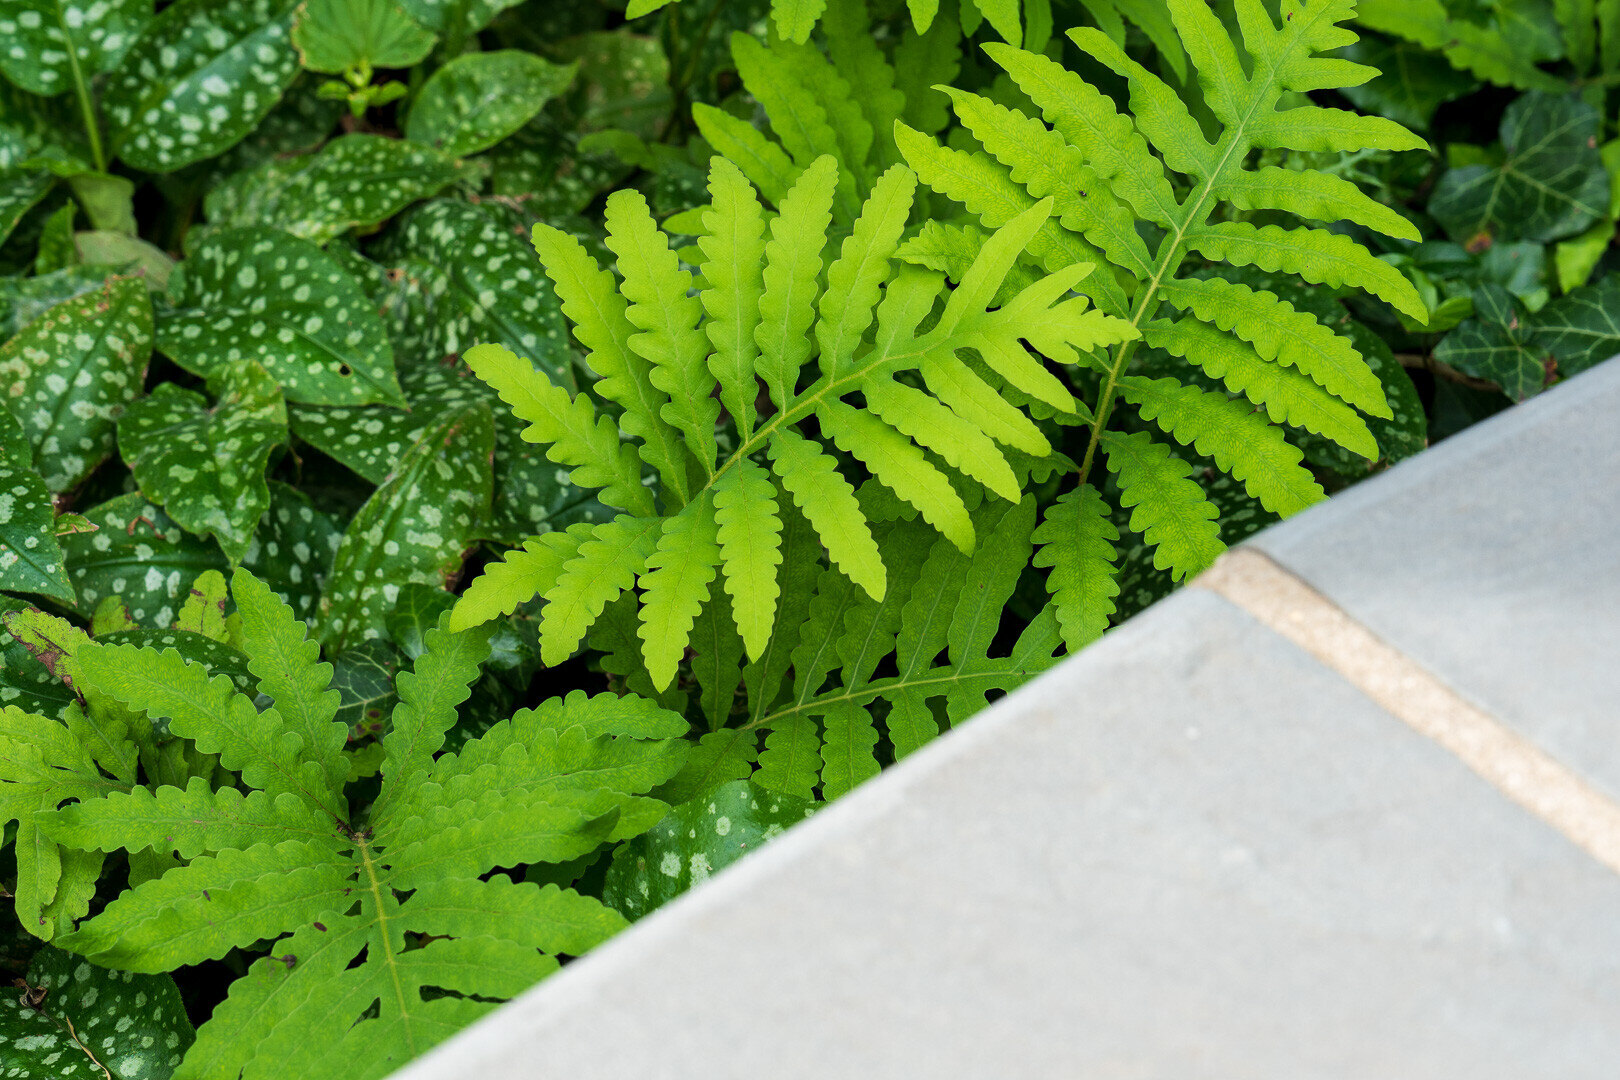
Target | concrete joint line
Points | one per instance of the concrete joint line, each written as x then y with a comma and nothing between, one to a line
1513,765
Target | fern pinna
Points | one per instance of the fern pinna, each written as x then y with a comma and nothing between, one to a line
927,424
1142,192
385,933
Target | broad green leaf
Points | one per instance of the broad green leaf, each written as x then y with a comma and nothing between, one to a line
1551,183
30,557
70,372
50,43
478,99
697,839
334,36
20,190
455,17
292,549
205,464
354,181
363,676
199,78
73,1019
415,526
22,300
457,275
260,295
139,554
1582,328
1498,344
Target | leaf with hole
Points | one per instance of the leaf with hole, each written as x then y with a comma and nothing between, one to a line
261,295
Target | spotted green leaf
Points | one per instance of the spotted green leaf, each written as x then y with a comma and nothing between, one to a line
262,295
205,464
50,42
478,99
292,549
198,79
30,557
218,657
531,495
354,181
1551,183
24,681
543,166
458,275
22,300
20,190
697,839
415,527
76,1021
455,16
68,374
335,36
140,554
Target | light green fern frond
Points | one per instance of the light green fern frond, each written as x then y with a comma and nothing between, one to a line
1151,195
912,382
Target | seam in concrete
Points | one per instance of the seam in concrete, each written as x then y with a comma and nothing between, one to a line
1512,764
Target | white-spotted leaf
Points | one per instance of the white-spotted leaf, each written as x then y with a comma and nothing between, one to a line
30,557
478,99
44,41
261,295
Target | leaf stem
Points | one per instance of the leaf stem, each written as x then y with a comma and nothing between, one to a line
87,108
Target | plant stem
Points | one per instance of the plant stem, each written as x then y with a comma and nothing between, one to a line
87,108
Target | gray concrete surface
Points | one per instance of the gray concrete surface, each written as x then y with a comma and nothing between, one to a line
1192,852
1494,561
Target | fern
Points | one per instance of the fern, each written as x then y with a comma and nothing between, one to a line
1149,197
794,19
816,325
386,934
1485,50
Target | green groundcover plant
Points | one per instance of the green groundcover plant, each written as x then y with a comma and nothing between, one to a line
471,471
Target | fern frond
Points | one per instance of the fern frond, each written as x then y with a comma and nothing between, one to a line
749,534
676,585
188,821
523,574
860,270
1171,511
213,715
791,761
1482,50
763,162
603,567
657,288
792,267
579,438
1240,441
850,737
734,250
901,467
1076,542
1316,196
548,918
828,502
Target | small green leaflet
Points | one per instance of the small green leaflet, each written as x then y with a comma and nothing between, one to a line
139,554
354,181
76,1021
46,40
292,549
30,557
202,75
414,527
697,839
335,36
205,465
1552,183
262,295
460,276
69,373
478,99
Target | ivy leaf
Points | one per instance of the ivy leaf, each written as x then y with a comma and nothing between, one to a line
460,276
334,36
69,373
415,526
261,295
292,549
478,99
200,77
1582,328
30,557
364,679
47,40
1497,344
353,182
697,839
205,465
1551,184
73,1019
